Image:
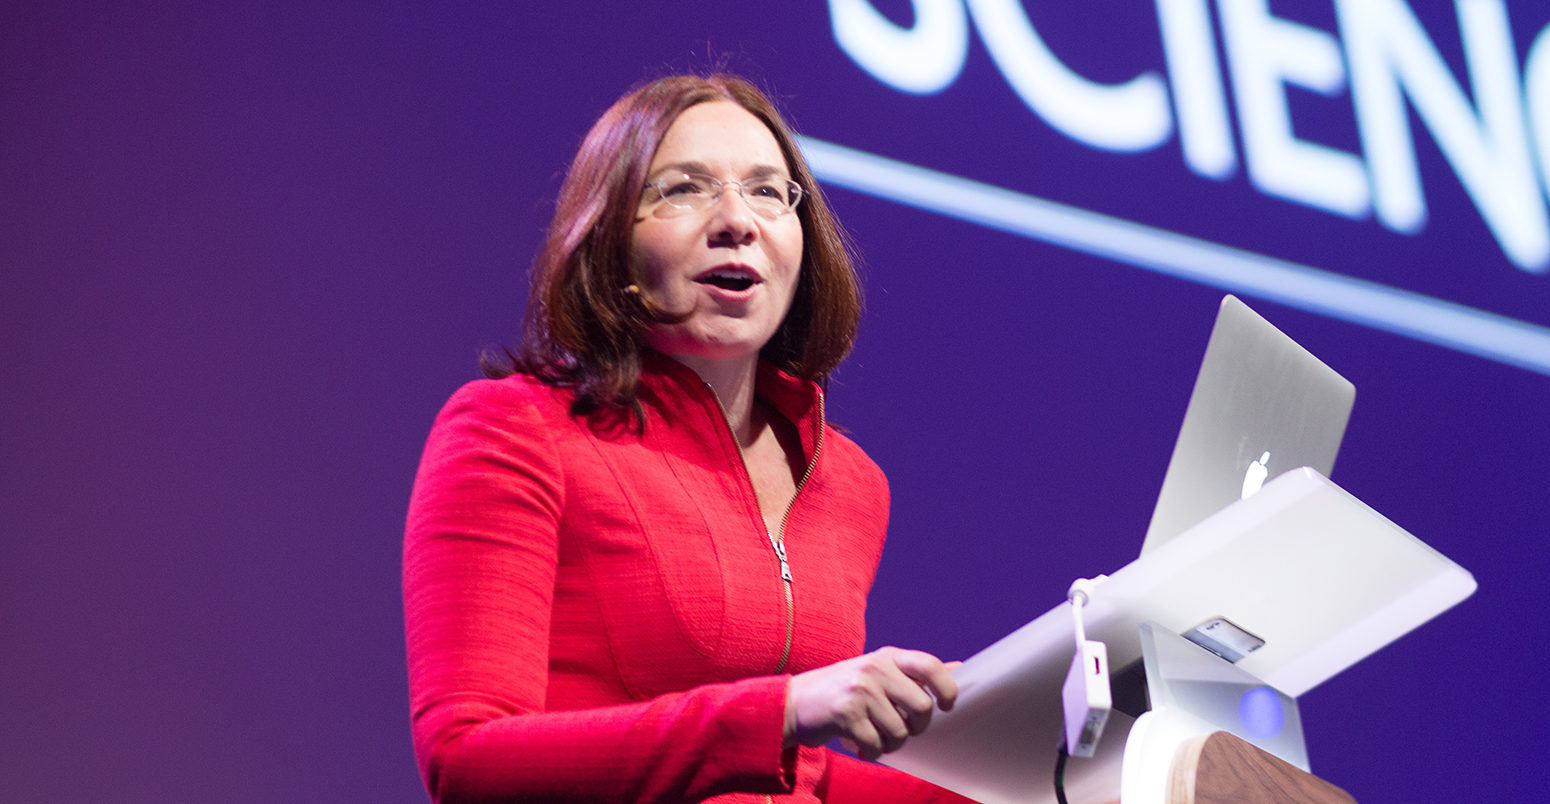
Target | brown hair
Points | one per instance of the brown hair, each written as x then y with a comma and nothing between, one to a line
584,331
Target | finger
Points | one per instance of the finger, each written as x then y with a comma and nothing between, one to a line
930,673
868,743
910,702
916,720
888,717
913,701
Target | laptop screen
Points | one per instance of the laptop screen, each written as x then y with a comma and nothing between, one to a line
1262,405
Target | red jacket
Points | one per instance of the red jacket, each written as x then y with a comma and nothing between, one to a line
598,614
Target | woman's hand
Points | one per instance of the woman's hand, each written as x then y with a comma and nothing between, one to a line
875,701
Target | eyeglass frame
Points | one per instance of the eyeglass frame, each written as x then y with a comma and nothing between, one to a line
796,192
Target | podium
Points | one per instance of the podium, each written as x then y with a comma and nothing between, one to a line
1205,730
1222,769
1291,586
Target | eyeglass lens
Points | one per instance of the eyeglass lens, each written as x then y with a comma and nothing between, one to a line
695,191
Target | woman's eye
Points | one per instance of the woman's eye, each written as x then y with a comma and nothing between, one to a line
684,188
771,191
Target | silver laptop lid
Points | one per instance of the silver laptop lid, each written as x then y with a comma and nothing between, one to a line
1262,405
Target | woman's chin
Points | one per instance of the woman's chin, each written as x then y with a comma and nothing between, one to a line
720,344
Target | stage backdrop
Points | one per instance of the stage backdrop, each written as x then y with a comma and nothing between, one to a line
248,251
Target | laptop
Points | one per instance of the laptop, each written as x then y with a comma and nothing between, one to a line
1262,405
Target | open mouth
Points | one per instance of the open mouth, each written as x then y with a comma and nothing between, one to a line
728,280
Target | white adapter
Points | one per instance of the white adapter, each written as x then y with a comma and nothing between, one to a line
1086,695
1087,698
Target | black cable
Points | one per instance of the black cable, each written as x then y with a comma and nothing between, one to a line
1060,774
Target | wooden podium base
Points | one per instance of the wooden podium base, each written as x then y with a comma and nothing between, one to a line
1220,768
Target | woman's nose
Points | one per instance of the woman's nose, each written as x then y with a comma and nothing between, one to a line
731,216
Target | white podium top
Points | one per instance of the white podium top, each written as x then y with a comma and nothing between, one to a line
1321,577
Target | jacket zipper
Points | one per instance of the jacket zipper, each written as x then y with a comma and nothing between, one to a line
778,538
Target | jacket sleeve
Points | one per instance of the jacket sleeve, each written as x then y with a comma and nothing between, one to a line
480,558
852,781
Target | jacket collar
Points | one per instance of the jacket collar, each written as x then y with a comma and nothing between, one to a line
800,401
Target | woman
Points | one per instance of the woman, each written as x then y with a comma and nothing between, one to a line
636,566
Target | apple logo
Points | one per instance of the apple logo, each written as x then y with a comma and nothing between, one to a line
1255,476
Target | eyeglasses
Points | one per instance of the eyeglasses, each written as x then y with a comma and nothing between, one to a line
769,196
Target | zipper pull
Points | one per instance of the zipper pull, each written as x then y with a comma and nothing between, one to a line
780,553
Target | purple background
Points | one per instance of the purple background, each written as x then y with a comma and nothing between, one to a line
247,253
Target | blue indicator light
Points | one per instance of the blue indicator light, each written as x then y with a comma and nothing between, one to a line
1261,714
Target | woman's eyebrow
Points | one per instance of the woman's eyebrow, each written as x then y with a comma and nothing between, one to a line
756,171
683,167
764,171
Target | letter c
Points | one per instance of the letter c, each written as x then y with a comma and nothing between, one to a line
1131,116
920,60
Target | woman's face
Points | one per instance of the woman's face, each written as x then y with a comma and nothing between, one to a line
730,269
